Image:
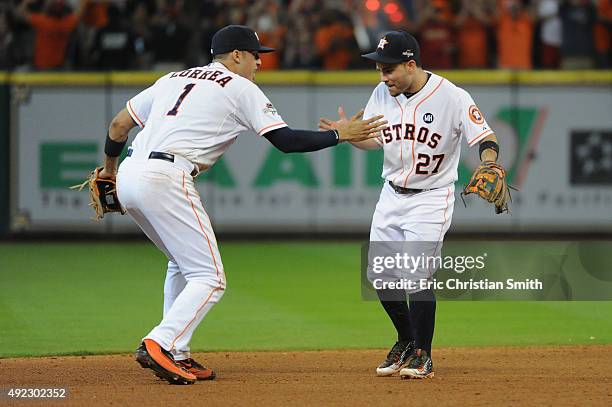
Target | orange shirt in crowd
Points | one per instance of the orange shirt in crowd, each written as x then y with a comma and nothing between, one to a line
514,41
472,44
52,35
601,32
437,45
270,60
95,14
446,11
327,39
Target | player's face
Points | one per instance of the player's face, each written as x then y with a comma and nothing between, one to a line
250,62
397,77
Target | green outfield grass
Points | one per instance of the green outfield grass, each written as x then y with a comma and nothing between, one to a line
63,298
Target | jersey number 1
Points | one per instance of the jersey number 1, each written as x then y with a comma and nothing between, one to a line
174,110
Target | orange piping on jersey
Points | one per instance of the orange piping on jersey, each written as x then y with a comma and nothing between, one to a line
203,231
194,317
414,124
133,113
480,137
401,140
443,223
259,133
222,279
214,261
533,141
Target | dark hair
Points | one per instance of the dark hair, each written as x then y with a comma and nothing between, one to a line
221,56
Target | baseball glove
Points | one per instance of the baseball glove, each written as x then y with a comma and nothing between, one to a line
489,183
102,194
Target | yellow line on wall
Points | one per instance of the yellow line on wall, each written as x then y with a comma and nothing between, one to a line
318,78
565,77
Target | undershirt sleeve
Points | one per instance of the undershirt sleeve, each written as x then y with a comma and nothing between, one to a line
300,141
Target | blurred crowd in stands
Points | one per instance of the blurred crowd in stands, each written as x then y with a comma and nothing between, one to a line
95,35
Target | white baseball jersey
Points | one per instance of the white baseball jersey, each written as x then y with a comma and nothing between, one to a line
422,141
199,112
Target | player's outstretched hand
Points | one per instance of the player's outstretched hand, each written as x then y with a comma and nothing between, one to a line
355,128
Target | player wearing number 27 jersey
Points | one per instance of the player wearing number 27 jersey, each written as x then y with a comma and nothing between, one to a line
428,117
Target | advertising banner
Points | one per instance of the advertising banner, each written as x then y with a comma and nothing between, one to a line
556,143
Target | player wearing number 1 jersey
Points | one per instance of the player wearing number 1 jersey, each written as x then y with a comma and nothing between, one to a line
188,120
428,117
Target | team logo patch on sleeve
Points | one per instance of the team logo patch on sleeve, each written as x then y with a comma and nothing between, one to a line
475,115
270,109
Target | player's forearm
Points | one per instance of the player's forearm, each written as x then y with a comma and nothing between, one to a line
112,151
488,154
301,141
370,144
111,164
116,139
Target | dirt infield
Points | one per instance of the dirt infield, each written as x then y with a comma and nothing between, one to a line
577,375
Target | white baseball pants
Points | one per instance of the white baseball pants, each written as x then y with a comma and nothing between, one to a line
162,199
423,217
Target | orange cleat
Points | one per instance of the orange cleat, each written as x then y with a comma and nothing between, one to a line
196,369
152,356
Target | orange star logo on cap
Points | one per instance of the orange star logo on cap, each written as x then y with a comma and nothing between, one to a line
383,41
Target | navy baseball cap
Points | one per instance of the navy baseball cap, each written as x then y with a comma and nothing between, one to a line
238,37
395,47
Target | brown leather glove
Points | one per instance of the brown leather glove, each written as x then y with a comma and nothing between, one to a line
489,182
102,194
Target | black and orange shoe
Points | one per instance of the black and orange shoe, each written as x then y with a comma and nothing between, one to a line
419,367
152,356
397,358
196,369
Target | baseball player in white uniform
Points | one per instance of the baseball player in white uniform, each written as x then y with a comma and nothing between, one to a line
428,117
188,120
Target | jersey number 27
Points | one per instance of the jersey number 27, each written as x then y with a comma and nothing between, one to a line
425,159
